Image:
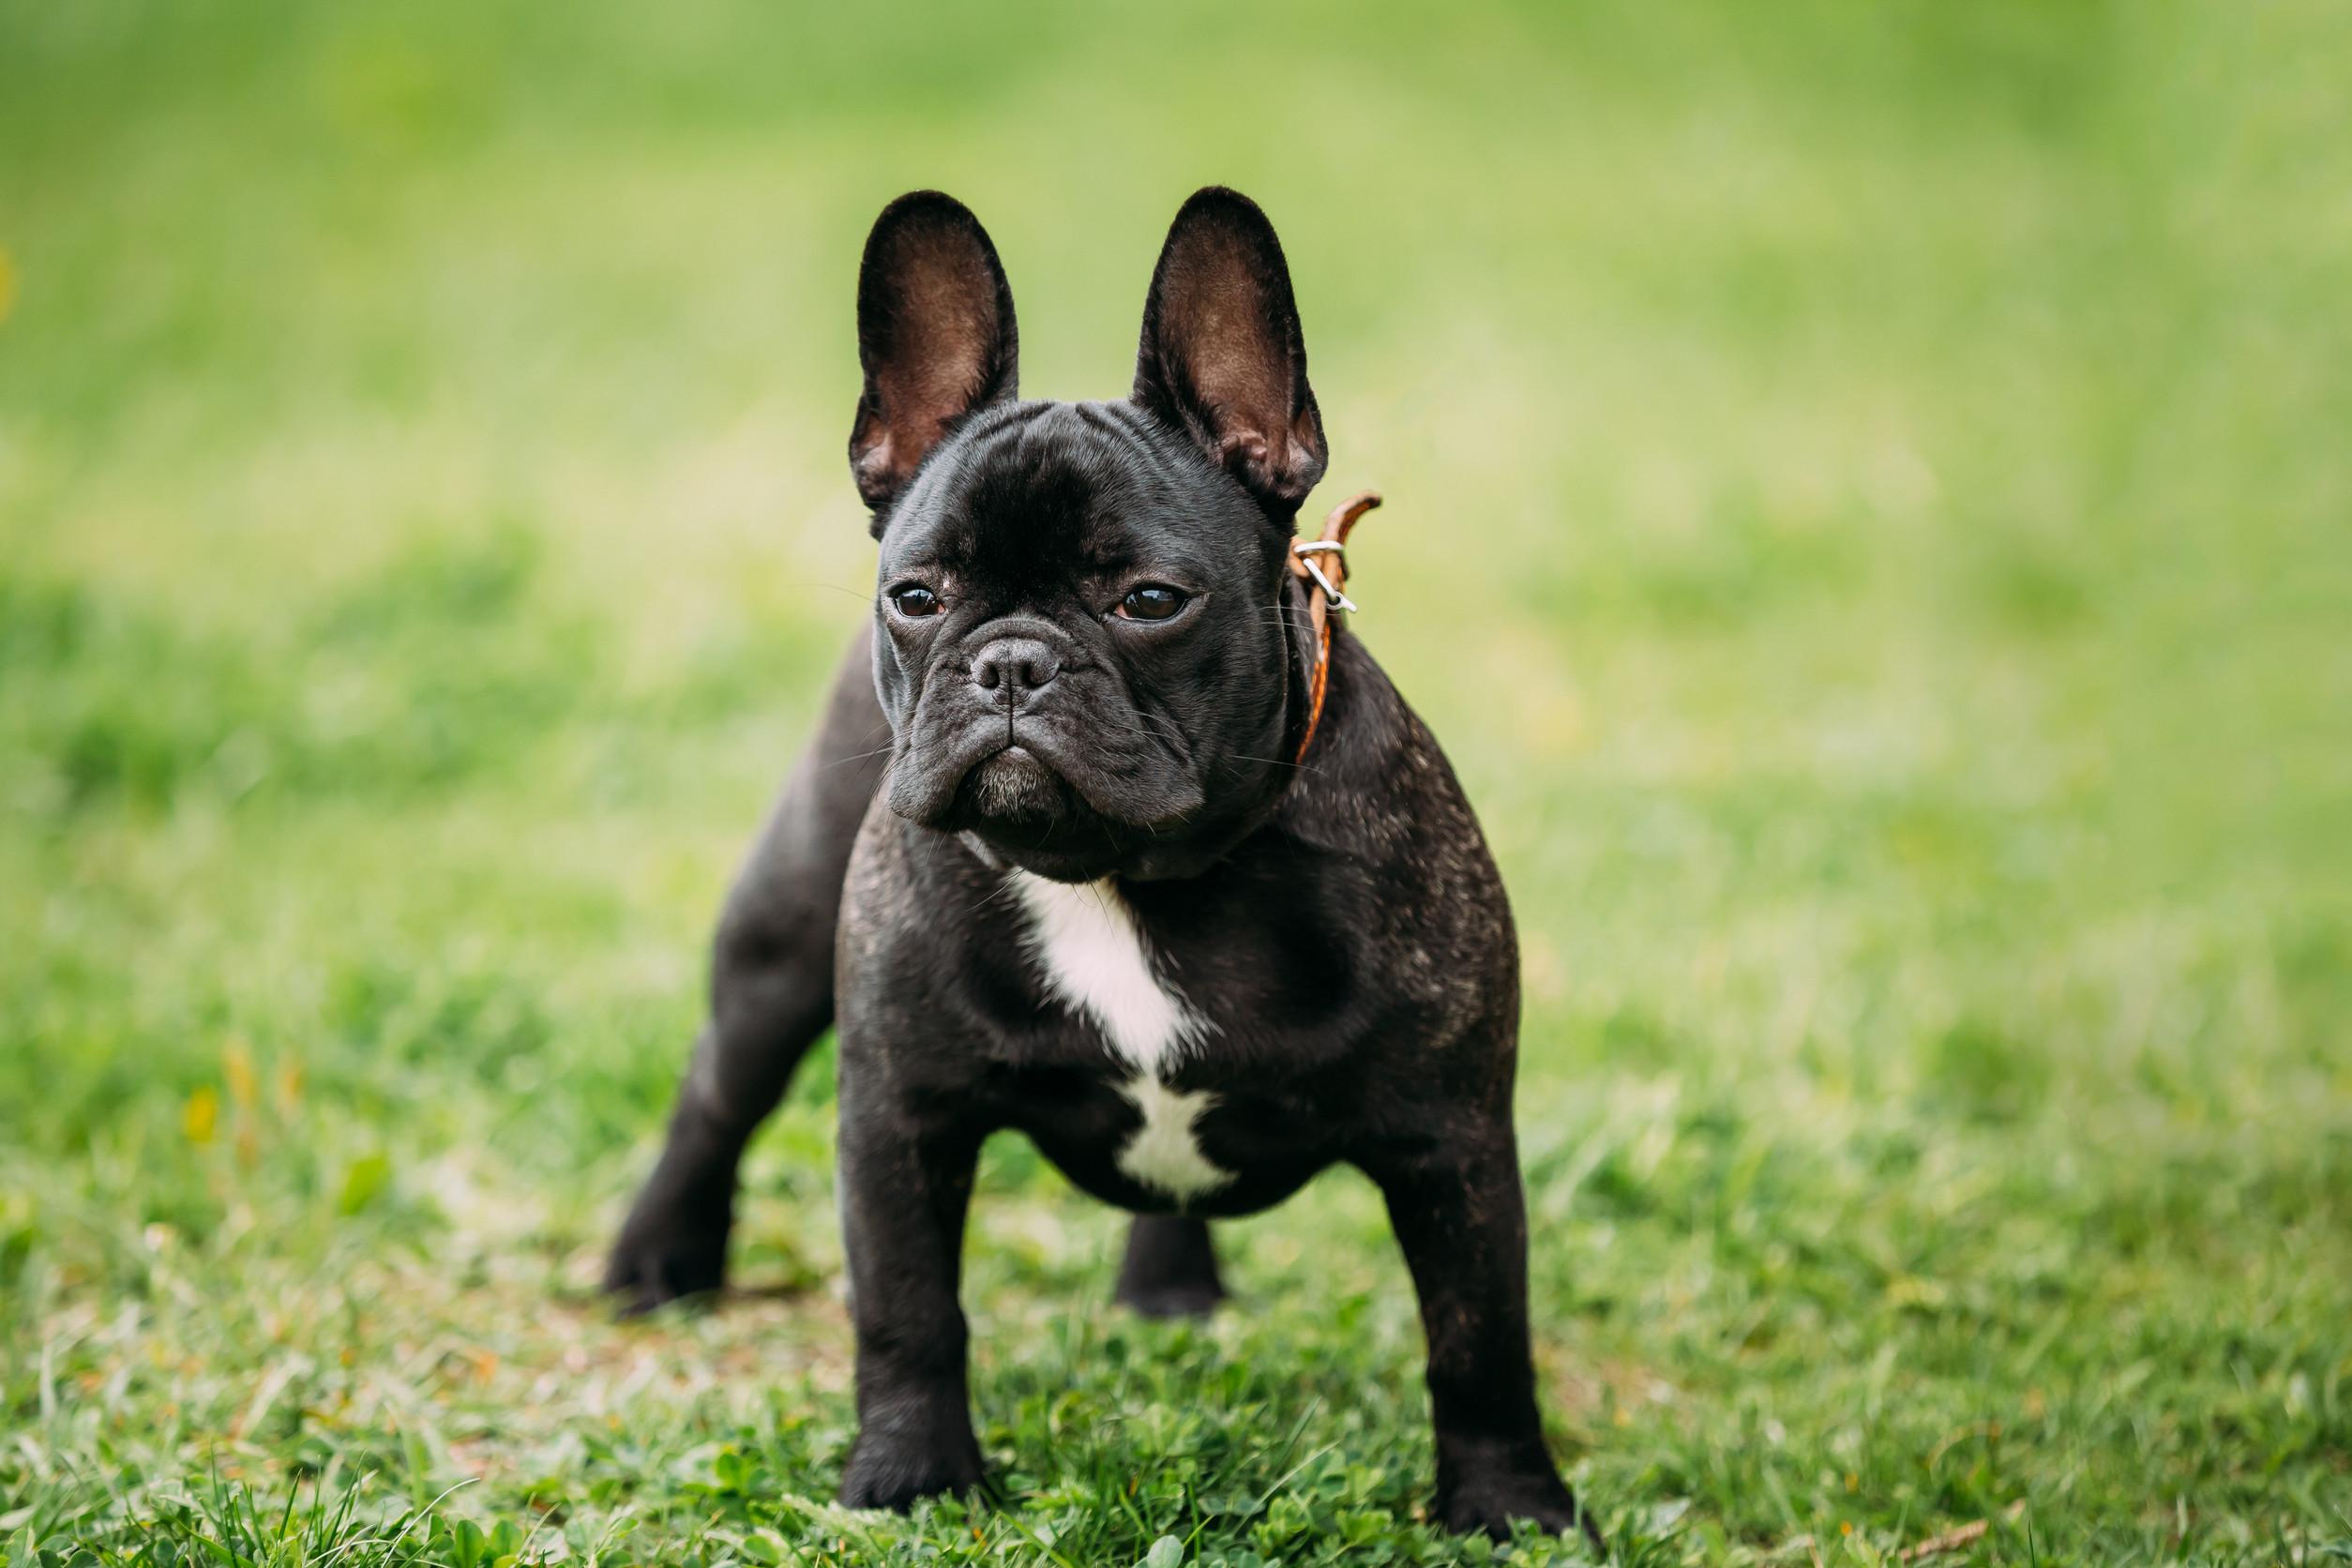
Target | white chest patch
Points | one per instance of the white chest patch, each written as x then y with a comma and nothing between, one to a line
1089,953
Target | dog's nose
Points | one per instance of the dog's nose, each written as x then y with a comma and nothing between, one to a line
1016,667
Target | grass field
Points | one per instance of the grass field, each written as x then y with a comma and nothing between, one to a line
1868,501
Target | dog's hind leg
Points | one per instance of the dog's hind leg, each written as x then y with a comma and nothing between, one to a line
771,999
1170,1269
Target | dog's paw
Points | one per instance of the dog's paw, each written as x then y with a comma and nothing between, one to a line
897,1475
655,1262
1170,1269
1490,1505
1181,1299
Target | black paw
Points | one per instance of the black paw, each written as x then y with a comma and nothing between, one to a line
1187,1300
1489,1505
655,1260
1170,1269
897,1475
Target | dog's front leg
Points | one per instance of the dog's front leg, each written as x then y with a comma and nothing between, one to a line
1459,1216
906,1180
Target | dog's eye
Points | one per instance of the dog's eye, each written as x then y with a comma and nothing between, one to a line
914,601
1153,601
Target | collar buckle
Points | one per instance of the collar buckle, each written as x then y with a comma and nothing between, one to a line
1339,602
1324,563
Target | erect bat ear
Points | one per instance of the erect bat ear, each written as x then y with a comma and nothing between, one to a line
935,336
1222,355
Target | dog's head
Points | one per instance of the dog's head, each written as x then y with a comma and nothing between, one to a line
1085,624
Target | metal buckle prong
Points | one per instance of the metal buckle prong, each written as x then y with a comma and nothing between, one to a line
1338,600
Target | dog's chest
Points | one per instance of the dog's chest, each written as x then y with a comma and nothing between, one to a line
1091,956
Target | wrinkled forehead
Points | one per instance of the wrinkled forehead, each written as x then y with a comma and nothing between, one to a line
1074,490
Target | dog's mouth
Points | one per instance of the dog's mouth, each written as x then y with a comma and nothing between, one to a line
995,778
1027,813
1049,791
1015,785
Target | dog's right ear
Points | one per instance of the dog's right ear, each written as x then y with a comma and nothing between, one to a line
935,336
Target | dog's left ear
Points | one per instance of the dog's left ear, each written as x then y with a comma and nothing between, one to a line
1222,355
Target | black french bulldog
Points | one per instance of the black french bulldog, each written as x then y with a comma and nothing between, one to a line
1051,865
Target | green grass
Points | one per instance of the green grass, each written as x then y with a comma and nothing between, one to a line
1867,514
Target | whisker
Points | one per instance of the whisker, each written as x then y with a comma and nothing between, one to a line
1004,889
862,596
1278,763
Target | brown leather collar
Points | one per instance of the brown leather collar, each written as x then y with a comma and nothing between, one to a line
1321,566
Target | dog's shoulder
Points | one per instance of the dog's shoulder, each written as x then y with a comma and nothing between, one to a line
1392,837
1376,783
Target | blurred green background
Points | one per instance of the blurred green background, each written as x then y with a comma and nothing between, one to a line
1867,502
